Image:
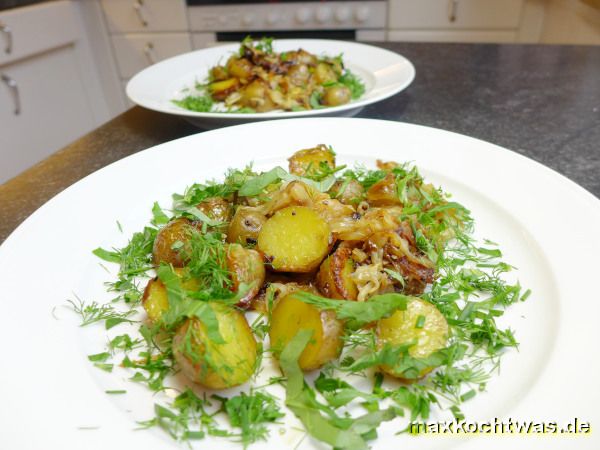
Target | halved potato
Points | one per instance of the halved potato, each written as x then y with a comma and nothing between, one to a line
211,364
294,239
421,322
245,226
172,242
155,299
305,162
221,89
246,266
291,315
333,279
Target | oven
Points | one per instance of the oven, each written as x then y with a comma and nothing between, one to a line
212,21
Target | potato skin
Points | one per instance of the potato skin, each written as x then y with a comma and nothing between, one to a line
155,299
211,364
176,230
245,226
400,328
246,266
291,315
333,279
216,208
337,95
304,162
294,239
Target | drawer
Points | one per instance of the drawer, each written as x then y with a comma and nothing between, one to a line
135,52
461,14
130,16
36,29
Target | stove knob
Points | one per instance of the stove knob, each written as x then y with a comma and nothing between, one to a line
303,15
362,13
248,19
272,18
342,14
323,14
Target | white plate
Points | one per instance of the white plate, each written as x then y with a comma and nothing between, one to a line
546,225
384,73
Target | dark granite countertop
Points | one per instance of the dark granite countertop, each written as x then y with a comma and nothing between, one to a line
541,101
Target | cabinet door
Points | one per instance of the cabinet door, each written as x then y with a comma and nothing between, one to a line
135,52
460,14
127,16
54,109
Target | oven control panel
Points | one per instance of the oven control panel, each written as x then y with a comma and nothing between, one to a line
289,16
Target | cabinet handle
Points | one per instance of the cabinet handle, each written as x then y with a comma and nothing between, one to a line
138,7
5,29
149,52
452,10
14,89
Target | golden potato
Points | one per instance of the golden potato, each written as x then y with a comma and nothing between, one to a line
301,57
239,67
421,322
218,73
155,299
291,315
221,89
333,279
245,226
216,208
305,162
337,95
246,266
324,73
294,239
212,364
384,192
299,74
172,242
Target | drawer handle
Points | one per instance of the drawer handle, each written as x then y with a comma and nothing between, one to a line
14,89
452,10
8,36
138,7
149,52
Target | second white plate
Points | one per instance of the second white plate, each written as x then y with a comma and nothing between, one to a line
383,72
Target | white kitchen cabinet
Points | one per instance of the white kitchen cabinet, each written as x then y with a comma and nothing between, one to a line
465,20
455,14
130,16
49,92
135,52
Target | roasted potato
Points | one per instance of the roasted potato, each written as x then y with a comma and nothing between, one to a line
333,279
245,226
239,68
291,315
299,74
324,73
221,89
218,73
212,364
384,192
172,242
304,162
155,300
336,95
421,322
216,208
349,192
246,266
294,239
